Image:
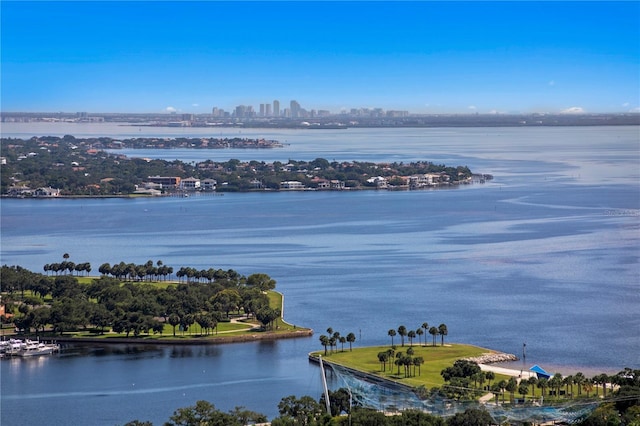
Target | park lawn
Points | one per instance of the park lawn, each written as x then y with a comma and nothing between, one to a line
436,359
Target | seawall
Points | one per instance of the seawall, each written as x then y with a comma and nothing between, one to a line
188,341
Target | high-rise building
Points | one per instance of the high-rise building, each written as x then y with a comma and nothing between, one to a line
262,110
295,109
268,111
276,108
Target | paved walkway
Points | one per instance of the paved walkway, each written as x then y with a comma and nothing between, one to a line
524,374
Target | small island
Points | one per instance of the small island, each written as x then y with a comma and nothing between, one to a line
73,167
145,303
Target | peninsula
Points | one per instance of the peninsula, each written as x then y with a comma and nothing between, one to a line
145,303
68,166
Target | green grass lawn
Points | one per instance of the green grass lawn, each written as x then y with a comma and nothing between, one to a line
436,358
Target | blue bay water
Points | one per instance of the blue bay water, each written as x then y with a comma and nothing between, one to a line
548,254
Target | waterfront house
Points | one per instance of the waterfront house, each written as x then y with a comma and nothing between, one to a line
190,184
47,192
165,181
291,184
209,184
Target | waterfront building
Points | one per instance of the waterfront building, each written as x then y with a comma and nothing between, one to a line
291,184
190,184
165,181
276,108
209,184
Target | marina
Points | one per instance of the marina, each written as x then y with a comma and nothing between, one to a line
26,348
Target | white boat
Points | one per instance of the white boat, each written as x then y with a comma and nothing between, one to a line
27,348
33,348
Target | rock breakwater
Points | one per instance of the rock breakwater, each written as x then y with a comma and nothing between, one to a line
490,358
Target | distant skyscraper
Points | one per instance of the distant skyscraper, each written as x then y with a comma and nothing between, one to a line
295,109
268,111
262,110
276,108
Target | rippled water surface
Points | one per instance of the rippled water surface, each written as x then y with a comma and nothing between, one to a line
548,253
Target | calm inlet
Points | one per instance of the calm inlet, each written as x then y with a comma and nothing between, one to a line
548,253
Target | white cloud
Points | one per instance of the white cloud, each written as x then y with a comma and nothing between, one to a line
472,107
552,83
626,104
573,110
195,105
636,109
170,109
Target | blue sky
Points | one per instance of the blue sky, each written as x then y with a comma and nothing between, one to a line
425,57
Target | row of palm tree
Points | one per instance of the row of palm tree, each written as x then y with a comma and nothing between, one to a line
65,265
551,386
400,359
402,331
131,271
332,338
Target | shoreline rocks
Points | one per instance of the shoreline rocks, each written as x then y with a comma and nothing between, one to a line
491,358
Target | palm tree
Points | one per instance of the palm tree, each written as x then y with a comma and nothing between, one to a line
533,381
425,326
578,379
351,338
391,353
502,384
512,386
490,375
568,382
383,357
418,361
342,340
336,336
442,331
556,383
402,331
324,341
587,385
420,332
398,362
523,389
481,378
174,320
604,379
411,335
332,342
543,384
433,332
391,333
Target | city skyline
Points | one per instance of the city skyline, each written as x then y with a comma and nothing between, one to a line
421,57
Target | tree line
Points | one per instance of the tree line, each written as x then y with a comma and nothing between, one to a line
332,338
424,328
306,411
123,301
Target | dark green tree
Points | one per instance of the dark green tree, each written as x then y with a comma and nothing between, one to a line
442,331
402,332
